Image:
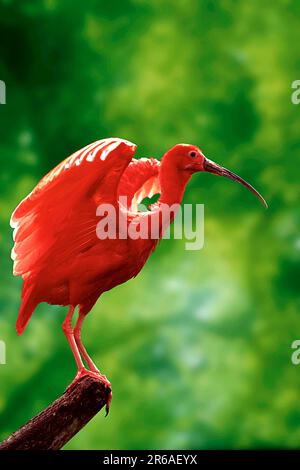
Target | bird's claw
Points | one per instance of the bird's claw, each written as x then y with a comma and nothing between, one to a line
82,373
97,375
109,397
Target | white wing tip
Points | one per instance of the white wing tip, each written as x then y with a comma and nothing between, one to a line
13,254
13,223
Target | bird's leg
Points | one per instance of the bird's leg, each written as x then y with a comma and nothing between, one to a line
77,336
93,368
68,331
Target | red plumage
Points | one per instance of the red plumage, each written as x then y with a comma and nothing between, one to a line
55,225
57,251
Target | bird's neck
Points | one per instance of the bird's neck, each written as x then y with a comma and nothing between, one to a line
172,186
172,183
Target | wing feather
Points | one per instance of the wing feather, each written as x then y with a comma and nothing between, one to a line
58,218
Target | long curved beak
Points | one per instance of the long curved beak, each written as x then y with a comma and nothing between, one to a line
216,169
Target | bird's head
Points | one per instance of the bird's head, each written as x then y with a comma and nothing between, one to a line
189,159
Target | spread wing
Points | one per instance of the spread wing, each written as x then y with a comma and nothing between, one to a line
57,220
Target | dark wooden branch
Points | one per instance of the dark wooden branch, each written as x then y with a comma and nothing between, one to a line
53,427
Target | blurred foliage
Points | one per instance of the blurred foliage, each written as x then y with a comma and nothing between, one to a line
198,346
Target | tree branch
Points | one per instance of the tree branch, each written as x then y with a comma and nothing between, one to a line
53,427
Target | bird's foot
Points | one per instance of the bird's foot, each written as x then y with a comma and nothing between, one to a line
107,384
97,375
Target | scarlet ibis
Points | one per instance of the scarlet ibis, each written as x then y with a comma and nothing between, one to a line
57,251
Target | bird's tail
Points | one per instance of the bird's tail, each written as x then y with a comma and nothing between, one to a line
27,308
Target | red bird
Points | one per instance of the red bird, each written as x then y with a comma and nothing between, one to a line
57,249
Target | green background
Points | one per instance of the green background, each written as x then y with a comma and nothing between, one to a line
198,346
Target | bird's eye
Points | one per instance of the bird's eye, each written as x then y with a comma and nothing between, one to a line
193,154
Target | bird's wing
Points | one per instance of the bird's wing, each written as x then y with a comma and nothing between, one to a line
58,218
139,180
